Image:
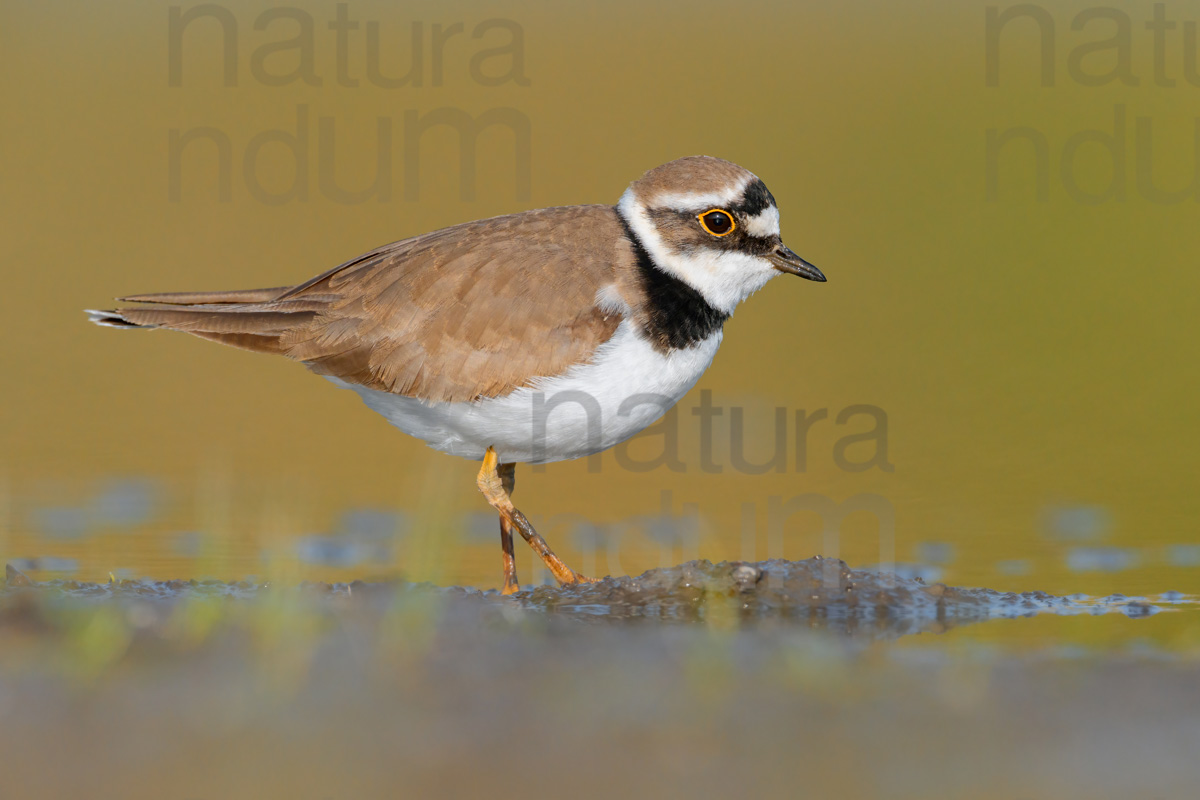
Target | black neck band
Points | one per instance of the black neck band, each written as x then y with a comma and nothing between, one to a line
677,315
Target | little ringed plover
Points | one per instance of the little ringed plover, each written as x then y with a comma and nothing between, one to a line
535,337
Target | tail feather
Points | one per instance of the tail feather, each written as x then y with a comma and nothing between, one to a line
207,298
249,327
111,319
207,320
253,342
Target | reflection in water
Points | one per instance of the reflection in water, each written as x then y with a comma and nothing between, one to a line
935,552
1184,555
1077,523
45,564
362,536
1101,559
1013,566
118,504
341,551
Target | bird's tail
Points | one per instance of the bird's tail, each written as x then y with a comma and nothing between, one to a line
251,320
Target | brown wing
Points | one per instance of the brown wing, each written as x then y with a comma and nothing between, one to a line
476,310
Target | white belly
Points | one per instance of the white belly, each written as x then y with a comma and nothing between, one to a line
626,387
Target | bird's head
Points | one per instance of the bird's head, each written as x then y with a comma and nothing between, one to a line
713,225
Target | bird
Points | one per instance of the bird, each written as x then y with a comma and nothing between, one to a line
536,337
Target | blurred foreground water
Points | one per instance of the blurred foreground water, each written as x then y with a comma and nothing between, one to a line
776,679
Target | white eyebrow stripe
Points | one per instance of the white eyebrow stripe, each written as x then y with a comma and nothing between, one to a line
691,201
765,224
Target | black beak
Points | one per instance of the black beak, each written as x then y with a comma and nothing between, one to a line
787,261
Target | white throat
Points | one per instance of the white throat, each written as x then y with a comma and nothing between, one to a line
724,279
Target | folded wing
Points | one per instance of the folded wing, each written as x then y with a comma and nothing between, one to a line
472,311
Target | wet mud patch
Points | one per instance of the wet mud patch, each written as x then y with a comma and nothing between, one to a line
817,593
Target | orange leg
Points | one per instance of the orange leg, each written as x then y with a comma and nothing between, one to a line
496,481
508,481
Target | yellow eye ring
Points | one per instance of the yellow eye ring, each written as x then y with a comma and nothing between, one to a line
717,221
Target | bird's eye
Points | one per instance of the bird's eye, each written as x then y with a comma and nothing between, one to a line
717,222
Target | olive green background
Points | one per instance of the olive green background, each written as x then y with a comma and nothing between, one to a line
1034,358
